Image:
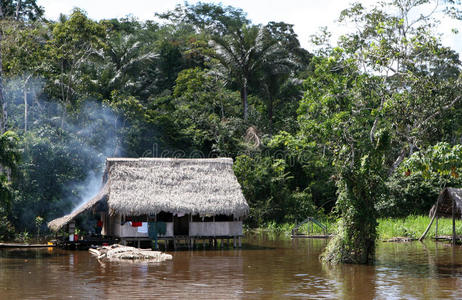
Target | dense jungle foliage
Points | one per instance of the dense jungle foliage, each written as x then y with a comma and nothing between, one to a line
369,127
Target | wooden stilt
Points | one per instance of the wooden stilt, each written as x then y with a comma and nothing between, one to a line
221,244
240,243
234,241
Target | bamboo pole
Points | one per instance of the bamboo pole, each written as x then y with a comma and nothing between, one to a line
431,222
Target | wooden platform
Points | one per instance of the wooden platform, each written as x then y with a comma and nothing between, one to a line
20,245
85,243
186,242
448,238
400,239
303,236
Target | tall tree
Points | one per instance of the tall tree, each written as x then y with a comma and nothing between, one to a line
242,53
281,65
71,54
208,17
23,60
125,58
11,10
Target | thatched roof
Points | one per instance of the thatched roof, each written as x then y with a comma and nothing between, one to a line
444,202
146,186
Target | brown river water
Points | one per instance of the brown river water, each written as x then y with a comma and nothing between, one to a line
265,268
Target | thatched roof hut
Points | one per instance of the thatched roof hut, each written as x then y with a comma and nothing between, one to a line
147,186
449,204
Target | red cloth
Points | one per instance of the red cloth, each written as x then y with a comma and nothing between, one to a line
100,223
136,224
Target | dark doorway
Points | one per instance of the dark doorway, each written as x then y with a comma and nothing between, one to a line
181,225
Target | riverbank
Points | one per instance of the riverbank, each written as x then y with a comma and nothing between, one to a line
410,227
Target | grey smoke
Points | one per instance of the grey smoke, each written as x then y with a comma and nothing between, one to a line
89,134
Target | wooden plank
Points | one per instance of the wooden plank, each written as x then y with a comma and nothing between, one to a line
18,245
302,236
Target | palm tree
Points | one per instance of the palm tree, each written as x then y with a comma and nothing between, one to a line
242,53
124,57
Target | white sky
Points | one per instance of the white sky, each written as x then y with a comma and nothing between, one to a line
306,15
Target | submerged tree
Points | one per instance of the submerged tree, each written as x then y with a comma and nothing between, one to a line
338,114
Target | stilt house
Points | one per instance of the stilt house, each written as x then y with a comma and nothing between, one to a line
190,198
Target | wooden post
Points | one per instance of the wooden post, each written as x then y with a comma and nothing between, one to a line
453,222
436,228
240,243
234,241
71,230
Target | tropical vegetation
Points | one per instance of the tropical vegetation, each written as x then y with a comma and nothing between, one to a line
353,130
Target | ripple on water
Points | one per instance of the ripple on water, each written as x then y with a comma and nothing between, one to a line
268,269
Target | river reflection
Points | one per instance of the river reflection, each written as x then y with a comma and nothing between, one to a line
266,268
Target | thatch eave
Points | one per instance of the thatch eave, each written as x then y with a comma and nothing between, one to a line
59,223
444,203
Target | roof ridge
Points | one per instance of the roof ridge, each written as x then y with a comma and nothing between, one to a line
201,160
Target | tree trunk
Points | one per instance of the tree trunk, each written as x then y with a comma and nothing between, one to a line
18,9
26,109
244,100
2,91
270,113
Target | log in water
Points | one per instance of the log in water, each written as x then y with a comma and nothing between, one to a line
126,253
